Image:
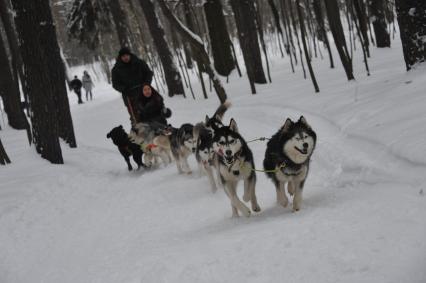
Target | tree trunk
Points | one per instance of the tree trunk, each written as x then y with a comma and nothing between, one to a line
245,17
362,23
17,65
121,25
36,30
305,48
333,15
412,24
377,8
198,49
4,159
321,24
171,72
219,37
9,92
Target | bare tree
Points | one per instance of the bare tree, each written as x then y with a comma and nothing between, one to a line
333,15
4,159
245,15
219,37
36,30
412,25
171,72
198,48
378,17
9,92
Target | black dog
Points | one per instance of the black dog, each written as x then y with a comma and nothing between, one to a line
126,146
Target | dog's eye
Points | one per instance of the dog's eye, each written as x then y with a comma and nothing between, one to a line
305,137
298,139
232,141
222,143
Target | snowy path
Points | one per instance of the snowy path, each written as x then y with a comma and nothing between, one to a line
362,220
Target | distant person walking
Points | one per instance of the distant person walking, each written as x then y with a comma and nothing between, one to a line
88,85
76,85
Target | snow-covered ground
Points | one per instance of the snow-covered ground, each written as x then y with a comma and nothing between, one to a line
363,215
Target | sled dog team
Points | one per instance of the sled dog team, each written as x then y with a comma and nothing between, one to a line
221,150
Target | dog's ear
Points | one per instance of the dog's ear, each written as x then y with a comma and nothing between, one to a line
108,135
121,126
286,125
304,122
207,119
233,125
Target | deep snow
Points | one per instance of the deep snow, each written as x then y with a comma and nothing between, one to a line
362,219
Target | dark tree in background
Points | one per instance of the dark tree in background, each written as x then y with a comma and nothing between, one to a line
35,33
333,16
412,25
9,92
219,37
119,17
4,159
171,73
378,18
245,19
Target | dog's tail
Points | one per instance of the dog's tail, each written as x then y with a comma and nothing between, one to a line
220,112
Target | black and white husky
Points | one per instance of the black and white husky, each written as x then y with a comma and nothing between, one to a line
234,163
183,145
203,134
287,159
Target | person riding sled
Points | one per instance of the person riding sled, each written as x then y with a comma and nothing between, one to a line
151,109
128,76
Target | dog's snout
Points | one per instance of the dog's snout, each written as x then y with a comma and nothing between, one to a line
228,152
305,145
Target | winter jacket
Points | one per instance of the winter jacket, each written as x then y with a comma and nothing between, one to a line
87,82
150,109
76,84
128,77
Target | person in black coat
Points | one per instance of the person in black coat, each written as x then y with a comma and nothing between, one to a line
151,107
128,75
76,85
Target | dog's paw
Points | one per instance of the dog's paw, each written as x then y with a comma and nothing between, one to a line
256,208
246,211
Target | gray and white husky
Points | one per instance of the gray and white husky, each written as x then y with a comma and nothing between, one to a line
287,159
234,163
183,145
203,134
145,134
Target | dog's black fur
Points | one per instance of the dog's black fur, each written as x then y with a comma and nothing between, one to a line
126,147
204,142
275,156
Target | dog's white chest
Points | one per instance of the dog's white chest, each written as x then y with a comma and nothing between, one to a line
238,171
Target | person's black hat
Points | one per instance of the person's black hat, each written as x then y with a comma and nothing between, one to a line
124,51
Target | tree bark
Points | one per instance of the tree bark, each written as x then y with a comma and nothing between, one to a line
171,72
121,25
9,92
378,18
305,48
320,20
198,48
36,30
4,159
333,15
219,37
245,15
412,24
